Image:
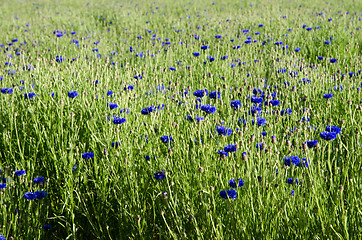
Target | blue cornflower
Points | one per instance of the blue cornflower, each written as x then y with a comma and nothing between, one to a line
159,175
304,119
7,90
109,93
47,227
118,120
256,99
334,129
328,135
312,143
305,162
333,60
259,121
204,47
88,155
287,161
274,102
112,105
166,139
230,148
38,180
286,111
29,95
147,110
213,94
29,196
259,146
59,59
201,93
328,95
297,50
229,194
129,87
2,185
208,109
115,144
73,94
235,104
221,130
232,183
196,54
290,180
40,194
327,42
19,172
223,153
295,160
172,68
244,121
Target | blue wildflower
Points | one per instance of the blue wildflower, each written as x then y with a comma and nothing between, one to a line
312,143
118,120
88,155
166,139
159,175
221,130
222,153
334,129
229,194
208,109
328,135
328,95
230,148
256,99
232,183
235,104
19,172
112,105
29,196
40,194
7,90
201,93
73,94
147,110
29,95
213,95
38,180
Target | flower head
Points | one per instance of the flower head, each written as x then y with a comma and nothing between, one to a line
235,104
328,135
88,155
159,175
334,129
229,194
208,109
19,172
221,130
233,183
312,143
166,139
73,94
38,180
147,110
230,148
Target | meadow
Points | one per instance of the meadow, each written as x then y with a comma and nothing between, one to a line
194,119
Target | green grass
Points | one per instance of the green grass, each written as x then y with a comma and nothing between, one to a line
114,195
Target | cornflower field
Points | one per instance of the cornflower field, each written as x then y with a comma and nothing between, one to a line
181,119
